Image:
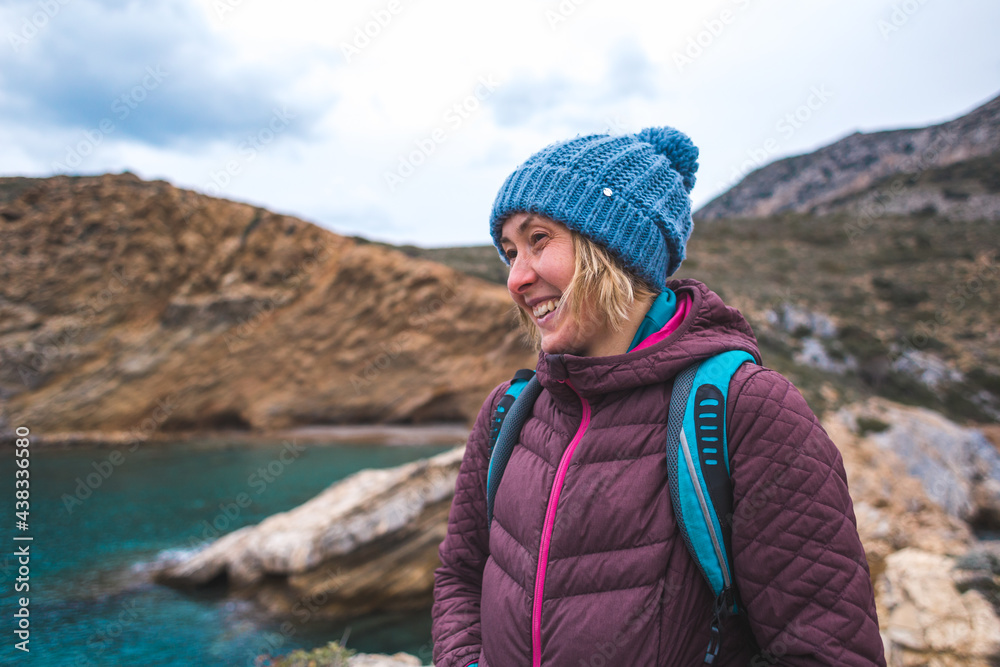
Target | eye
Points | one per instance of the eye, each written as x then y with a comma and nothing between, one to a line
510,254
537,238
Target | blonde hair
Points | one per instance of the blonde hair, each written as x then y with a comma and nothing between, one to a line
601,281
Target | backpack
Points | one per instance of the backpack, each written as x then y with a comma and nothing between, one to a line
697,467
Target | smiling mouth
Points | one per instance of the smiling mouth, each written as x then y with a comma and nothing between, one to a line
541,310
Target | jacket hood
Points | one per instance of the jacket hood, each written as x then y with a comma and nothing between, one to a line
711,327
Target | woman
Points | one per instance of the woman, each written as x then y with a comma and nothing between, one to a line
583,562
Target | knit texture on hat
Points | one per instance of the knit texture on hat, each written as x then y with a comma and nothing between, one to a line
629,193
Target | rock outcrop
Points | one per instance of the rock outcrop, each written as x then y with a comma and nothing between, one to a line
958,468
395,660
949,170
912,475
892,508
368,543
927,620
141,308
317,658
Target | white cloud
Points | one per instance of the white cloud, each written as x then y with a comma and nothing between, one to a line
565,67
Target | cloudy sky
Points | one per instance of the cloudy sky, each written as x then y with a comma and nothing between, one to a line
399,119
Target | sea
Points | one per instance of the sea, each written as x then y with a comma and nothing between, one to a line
100,518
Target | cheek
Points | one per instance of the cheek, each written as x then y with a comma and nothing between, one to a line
585,325
565,278
566,266
559,274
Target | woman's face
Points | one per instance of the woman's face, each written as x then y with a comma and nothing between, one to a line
541,258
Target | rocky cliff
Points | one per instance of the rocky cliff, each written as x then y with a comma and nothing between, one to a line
142,308
132,309
951,170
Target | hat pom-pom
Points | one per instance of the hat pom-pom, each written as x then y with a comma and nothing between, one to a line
676,147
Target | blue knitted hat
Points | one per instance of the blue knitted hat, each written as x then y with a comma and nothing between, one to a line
628,193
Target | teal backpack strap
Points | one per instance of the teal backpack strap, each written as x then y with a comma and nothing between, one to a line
517,385
698,475
511,413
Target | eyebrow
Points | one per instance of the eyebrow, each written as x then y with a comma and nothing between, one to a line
520,228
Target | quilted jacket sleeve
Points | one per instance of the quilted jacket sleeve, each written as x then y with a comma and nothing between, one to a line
458,582
799,564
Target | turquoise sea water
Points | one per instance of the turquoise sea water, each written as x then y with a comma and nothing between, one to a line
91,602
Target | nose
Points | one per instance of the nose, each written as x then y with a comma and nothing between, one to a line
521,276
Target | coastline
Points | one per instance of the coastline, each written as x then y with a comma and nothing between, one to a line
107,523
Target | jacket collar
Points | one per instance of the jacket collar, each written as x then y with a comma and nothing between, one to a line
711,327
659,313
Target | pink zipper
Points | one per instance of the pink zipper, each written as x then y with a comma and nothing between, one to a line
550,520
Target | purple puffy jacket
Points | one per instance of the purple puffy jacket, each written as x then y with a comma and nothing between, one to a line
584,564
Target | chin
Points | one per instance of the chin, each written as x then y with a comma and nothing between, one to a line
562,347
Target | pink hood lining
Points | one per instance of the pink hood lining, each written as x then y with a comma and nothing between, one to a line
683,308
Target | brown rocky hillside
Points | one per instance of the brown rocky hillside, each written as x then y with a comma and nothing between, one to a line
951,170
139,307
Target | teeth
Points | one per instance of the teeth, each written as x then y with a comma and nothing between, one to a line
546,306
